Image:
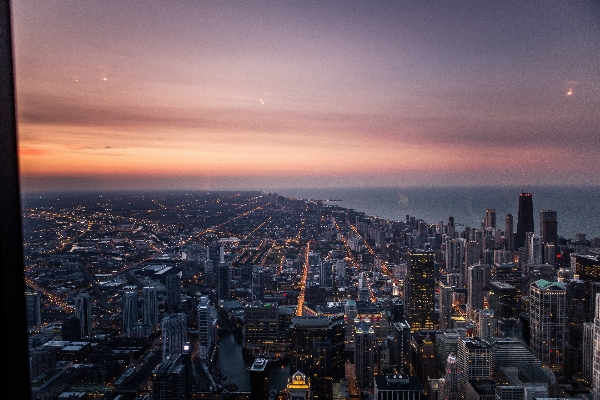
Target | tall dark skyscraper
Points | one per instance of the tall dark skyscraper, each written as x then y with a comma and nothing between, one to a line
525,222
549,227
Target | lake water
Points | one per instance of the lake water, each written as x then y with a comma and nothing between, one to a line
578,208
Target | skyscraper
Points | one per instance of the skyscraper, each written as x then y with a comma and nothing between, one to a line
223,277
489,221
452,374
509,234
525,221
174,333
474,361
548,323
83,311
420,290
150,308
596,350
205,327
130,312
173,286
364,353
33,309
549,227
317,347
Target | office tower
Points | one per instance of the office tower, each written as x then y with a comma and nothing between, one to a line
474,361
205,328
549,227
446,306
400,387
451,228
489,221
150,308
486,325
223,277
596,351
587,267
587,356
450,391
260,277
350,314
130,312
259,380
33,309
509,234
171,379
525,221
420,290
454,255
298,387
317,347
261,329
326,275
83,311
424,359
510,352
364,354
71,329
397,310
174,334
476,278
472,253
535,249
173,286
400,346
548,323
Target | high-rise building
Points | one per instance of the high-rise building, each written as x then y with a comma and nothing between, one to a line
173,286
489,221
259,380
596,350
474,361
130,312
174,334
587,356
452,373
549,227
205,327
83,311
476,278
33,309
171,379
446,305
509,234
150,308
260,277
317,347
223,278
326,274
419,290
525,221
71,329
548,323
364,354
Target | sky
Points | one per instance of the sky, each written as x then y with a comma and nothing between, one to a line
230,94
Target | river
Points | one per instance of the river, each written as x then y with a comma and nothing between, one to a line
230,362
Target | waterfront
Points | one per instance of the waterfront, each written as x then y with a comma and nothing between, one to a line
578,208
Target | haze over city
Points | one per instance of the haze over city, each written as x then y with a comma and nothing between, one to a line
227,94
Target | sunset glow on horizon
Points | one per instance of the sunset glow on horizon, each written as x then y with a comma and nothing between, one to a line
241,95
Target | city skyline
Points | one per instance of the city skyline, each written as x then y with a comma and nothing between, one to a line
230,95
